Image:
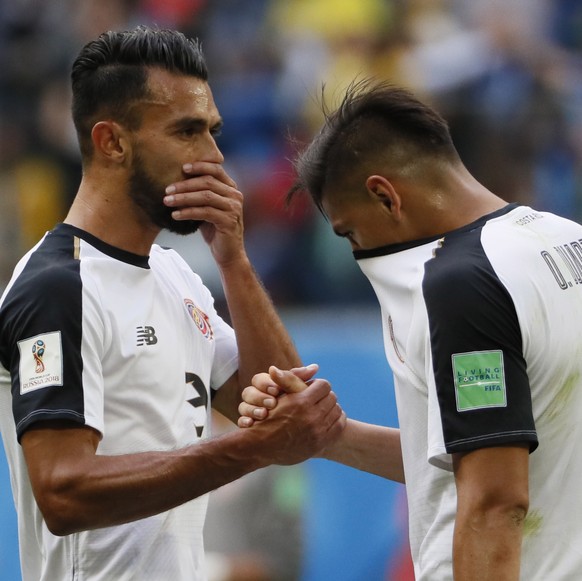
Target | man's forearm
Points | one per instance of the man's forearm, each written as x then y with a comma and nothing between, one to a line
371,448
261,336
77,490
492,503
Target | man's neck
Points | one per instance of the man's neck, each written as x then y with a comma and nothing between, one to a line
111,218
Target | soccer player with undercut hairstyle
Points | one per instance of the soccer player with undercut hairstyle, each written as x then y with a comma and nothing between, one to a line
481,305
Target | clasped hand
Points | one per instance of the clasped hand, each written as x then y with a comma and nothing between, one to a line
317,422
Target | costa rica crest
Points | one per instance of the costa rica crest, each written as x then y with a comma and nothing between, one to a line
200,318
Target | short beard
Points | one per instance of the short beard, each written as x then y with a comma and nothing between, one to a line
148,196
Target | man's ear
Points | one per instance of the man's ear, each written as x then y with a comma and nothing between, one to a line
383,190
110,141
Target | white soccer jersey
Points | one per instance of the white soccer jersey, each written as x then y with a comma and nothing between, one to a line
132,347
483,332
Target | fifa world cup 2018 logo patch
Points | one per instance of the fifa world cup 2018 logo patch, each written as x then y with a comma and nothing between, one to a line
40,362
38,348
200,318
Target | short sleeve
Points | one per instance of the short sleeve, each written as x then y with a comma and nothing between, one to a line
41,321
479,393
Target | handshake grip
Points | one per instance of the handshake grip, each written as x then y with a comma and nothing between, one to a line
293,381
255,396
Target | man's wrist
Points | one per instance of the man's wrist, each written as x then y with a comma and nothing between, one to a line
235,261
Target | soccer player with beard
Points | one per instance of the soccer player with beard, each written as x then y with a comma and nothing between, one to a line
111,351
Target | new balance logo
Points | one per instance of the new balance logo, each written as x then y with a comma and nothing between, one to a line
146,336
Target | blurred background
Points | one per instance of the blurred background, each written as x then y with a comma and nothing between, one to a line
507,74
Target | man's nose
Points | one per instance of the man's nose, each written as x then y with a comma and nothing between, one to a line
214,154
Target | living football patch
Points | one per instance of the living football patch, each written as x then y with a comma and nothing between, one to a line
479,380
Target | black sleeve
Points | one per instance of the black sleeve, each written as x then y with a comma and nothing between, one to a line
40,339
480,374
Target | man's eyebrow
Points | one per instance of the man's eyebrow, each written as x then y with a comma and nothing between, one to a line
197,123
217,126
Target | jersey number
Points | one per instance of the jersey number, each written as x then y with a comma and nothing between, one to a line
201,400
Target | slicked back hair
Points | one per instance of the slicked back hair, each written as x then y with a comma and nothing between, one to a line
376,123
110,74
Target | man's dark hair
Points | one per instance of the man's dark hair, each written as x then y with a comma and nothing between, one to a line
376,122
110,74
